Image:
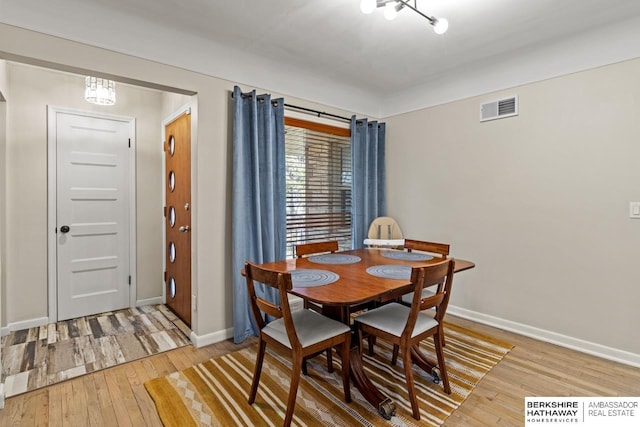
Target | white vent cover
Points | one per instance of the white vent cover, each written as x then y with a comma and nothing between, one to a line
506,107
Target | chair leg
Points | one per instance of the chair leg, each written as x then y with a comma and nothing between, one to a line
372,344
258,369
394,355
345,355
360,335
408,373
329,360
437,339
296,369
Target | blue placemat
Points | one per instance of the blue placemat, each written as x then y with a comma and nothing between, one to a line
407,256
335,259
390,271
305,278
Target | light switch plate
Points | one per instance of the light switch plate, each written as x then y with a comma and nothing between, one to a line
634,210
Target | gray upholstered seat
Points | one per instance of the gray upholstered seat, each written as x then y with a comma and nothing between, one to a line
392,318
310,326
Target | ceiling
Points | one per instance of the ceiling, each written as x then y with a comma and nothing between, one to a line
330,52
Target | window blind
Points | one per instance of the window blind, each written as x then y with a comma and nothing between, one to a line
318,168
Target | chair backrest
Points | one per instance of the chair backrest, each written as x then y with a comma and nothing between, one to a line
440,274
441,249
280,281
384,228
316,248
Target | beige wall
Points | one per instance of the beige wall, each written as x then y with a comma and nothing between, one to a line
540,202
30,90
212,199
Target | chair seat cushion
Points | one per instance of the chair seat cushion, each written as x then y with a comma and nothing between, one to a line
392,318
311,328
407,299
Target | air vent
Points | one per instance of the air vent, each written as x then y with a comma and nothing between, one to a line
506,107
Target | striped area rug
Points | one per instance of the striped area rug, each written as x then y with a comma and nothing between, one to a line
215,392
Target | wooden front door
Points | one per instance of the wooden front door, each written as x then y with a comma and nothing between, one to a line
177,147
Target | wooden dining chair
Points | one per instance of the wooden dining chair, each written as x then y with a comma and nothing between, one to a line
314,248
406,326
302,332
437,250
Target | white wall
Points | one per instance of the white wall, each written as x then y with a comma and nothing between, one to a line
539,201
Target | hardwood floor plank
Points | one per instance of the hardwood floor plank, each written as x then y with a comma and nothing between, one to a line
41,408
119,407
94,412
79,406
104,399
13,411
55,405
145,403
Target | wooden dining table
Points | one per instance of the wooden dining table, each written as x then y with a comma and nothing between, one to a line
355,286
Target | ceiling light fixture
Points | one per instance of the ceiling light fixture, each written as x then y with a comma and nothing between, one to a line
392,7
100,91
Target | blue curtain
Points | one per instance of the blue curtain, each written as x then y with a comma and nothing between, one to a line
259,218
368,184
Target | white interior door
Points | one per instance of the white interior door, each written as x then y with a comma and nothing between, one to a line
92,214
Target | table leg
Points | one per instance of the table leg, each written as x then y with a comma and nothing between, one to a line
369,391
420,359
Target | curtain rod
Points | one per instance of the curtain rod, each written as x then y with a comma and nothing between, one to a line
308,110
319,113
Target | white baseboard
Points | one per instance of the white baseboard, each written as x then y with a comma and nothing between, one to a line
577,344
149,301
24,324
212,338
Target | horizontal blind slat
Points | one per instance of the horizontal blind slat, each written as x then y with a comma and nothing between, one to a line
318,176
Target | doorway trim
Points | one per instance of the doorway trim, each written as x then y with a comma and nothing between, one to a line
52,248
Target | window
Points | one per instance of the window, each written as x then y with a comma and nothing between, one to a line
318,168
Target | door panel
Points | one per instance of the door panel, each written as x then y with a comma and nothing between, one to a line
92,213
178,216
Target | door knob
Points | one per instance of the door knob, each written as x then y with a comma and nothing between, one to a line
64,229
184,229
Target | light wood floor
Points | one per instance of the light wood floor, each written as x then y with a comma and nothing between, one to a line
116,396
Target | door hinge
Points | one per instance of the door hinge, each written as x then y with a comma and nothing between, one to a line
165,276
129,280
129,142
164,211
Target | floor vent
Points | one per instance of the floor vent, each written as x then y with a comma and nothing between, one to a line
506,107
